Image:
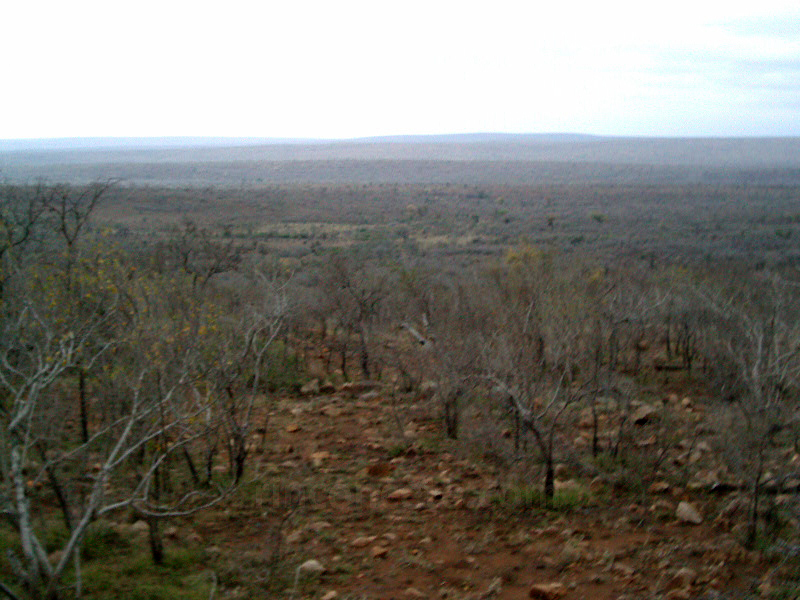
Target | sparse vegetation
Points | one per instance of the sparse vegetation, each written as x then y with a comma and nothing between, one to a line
401,364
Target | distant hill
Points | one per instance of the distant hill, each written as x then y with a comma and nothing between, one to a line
453,158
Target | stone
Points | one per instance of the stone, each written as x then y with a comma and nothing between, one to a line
356,388
140,526
330,595
547,591
658,487
363,541
400,494
379,551
171,532
682,579
312,568
317,458
327,388
380,469
311,388
295,536
292,428
412,592
644,414
688,513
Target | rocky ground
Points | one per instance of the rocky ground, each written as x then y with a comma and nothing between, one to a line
356,496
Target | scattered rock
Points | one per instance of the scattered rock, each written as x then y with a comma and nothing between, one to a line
327,388
561,471
292,428
547,591
412,592
312,568
379,551
688,513
331,595
400,494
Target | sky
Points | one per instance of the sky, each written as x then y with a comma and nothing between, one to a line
351,68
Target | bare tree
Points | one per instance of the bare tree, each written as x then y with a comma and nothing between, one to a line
754,344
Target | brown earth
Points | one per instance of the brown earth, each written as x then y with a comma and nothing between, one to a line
412,515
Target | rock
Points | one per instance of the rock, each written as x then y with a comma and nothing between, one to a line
380,469
688,513
311,388
644,414
171,532
561,471
412,592
317,458
331,595
658,487
494,589
363,541
332,411
684,594
400,494
547,591
292,428
662,507
312,568
295,536
140,527
319,526
327,388
435,495
379,551
683,579
356,388
623,569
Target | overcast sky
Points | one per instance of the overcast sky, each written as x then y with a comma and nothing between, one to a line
345,68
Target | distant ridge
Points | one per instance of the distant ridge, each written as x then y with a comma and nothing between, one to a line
476,157
171,142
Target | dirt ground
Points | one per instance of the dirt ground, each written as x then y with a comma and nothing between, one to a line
412,515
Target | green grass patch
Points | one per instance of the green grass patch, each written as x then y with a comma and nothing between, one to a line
525,497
